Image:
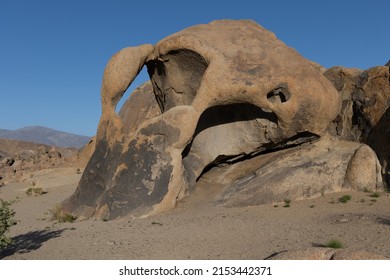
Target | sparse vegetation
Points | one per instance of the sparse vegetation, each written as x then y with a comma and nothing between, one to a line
345,198
334,243
61,216
6,221
312,206
375,195
286,203
78,171
35,191
157,223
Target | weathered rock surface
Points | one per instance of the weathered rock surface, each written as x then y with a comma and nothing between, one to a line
364,116
326,254
140,107
324,166
230,94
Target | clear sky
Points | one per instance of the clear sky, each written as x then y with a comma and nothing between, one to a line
53,53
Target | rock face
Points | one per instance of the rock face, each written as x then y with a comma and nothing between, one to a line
103,160
308,170
228,92
364,116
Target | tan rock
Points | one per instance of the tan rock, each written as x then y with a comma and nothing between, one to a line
364,171
305,254
228,91
326,254
347,254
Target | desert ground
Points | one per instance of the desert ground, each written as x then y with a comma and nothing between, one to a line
195,229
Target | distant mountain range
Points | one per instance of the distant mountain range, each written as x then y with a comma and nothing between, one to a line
47,136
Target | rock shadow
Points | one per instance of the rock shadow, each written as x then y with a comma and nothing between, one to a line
384,221
31,241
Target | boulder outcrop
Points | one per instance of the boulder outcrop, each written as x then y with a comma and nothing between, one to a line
18,159
364,115
230,94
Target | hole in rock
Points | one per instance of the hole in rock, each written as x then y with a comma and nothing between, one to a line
141,78
176,77
279,95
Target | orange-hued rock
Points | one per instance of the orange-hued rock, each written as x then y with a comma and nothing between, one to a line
227,91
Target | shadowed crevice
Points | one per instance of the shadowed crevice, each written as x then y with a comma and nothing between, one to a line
176,77
224,114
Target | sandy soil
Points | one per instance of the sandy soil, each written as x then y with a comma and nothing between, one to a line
195,229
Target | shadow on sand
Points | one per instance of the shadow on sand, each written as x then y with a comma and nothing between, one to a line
384,221
31,241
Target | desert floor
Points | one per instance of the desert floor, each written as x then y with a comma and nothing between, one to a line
195,229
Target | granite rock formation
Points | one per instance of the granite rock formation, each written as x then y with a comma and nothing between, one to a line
230,94
364,115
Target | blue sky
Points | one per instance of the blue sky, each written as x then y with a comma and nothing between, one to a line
53,53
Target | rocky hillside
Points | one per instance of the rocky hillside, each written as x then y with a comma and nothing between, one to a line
18,159
47,136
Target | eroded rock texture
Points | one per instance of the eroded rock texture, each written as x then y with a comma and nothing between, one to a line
230,94
365,114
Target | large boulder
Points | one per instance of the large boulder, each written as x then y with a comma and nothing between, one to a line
312,169
227,91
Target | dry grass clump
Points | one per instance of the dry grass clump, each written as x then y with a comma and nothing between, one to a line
59,214
35,191
345,198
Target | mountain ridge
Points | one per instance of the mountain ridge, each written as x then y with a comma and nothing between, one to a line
45,135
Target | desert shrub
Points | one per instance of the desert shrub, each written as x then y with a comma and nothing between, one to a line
335,244
6,221
375,194
35,191
345,198
286,203
59,214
